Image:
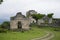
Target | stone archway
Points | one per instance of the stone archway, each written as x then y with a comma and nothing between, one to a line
19,25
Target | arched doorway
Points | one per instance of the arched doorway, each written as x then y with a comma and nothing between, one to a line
19,25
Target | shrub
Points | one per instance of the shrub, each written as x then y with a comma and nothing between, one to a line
3,30
5,25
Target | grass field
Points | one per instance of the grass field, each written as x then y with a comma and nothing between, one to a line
28,35
51,29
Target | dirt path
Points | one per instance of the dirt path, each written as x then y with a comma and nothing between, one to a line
48,36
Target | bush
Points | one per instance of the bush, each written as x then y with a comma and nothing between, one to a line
57,29
5,24
3,30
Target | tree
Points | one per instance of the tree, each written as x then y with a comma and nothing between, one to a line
37,16
5,24
50,15
1,1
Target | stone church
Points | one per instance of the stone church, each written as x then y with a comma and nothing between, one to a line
19,22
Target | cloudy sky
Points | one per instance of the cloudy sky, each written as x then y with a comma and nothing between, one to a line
10,7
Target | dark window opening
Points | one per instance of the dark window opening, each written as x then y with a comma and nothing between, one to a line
19,25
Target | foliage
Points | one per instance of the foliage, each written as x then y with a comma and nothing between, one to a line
50,15
37,16
1,1
5,24
2,30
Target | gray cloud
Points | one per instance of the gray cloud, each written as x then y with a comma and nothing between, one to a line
10,7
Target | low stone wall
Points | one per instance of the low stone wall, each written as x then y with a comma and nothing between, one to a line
52,25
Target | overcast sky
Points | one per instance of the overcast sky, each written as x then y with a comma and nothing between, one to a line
10,7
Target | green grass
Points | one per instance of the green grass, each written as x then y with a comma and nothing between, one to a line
27,35
57,36
51,29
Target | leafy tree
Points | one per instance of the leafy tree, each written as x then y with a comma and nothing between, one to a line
0,25
5,24
37,16
1,1
50,15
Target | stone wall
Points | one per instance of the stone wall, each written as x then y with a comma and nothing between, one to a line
19,18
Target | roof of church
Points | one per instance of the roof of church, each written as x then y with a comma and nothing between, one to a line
19,14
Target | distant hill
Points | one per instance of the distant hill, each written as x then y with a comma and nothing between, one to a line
1,21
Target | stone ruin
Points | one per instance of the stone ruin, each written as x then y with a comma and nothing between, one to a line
19,21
